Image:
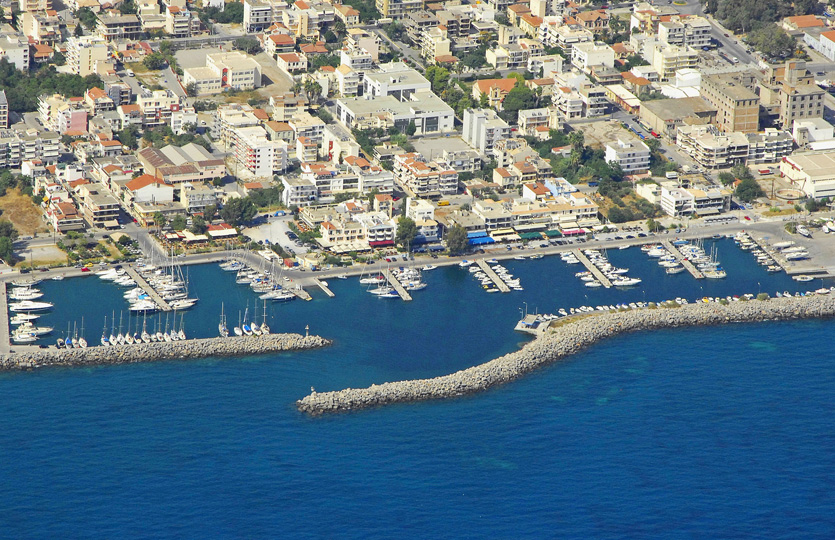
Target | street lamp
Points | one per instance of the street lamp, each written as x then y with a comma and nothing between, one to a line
526,308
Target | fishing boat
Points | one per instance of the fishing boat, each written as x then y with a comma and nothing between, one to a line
803,231
59,277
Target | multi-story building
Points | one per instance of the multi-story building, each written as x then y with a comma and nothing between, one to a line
4,110
34,5
306,125
84,54
224,70
483,128
60,114
178,164
711,148
700,201
495,90
536,122
178,22
17,146
16,51
667,59
157,108
112,27
286,106
230,117
792,90
737,106
428,112
291,62
41,27
770,146
348,81
369,176
298,192
356,58
690,32
97,205
587,55
394,79
254,151
422,178
594,100
398,9
630,153
258,16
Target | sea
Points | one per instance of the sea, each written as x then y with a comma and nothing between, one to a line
718,432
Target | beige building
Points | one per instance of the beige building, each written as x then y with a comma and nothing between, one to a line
737,106
792,91
398,9
85,53
664,116
813,172
224,70
667,59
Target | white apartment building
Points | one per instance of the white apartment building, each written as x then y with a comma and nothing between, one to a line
27,145
429,113
298,191
589,54
630,153
348,81
422,178
358,59
84,53
157,108
16,51
690,32
224,70
4,110
701,201
483,128
667,59
394,79
255,152
258,16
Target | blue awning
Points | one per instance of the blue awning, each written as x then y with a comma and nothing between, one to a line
481,240
476,234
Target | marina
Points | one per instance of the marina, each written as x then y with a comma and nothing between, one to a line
497,281
150,291
684,261
398,287
595,272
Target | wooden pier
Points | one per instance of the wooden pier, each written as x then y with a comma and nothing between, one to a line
695,272
494,277
394,282
140,281
595,271
322,285
5,344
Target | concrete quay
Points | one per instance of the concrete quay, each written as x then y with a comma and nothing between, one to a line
395,283
566,337
140,281
5,344
695,272
595,271
494,277
32,358
324,287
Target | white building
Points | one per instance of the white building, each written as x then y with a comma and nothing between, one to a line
631,154
224,70
429,113
483,128
394,79
256,152
298,192
85,53
812,172
700,201
16,51
589,54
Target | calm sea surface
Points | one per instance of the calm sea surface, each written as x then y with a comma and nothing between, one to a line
724,432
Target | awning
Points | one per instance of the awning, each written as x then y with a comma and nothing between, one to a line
530,227
553,233
707,211
509,237
481,240
436,248
381,243
530,236
476,234
111,224
573,232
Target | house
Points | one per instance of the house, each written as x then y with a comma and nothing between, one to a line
291,62
495,90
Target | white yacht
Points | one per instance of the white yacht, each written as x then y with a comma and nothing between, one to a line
28,305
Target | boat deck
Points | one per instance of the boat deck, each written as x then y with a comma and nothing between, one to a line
494,277
140,281
695,272
595,271
394,282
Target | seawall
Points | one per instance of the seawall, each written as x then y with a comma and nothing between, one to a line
150,352
568,337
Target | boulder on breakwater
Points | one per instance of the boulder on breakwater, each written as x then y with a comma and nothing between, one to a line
169,350
568,337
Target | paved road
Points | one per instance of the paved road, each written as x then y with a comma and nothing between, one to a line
730,45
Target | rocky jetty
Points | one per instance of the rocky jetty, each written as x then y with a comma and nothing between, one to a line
567,336
150,352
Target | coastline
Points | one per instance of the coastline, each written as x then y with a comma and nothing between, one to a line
568,337
152,352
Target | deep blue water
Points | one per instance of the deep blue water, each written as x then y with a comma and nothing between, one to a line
721,432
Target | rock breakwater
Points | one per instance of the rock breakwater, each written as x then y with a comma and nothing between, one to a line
568,337
150,352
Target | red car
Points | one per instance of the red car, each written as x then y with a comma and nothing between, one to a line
747,218
85,269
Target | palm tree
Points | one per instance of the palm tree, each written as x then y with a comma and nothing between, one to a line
577,140
313,90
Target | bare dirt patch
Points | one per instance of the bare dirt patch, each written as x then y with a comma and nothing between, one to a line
24,215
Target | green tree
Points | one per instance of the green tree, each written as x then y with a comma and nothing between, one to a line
127,8
742,172
772,41
406,232
6,250
59,59
154,61
520,98
209,212
179,222
313,90
248,45
411,129
159,220
372,194
456,240
128,137
86,16
238,211
7,230
79,30
749,190
726,178
198,225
